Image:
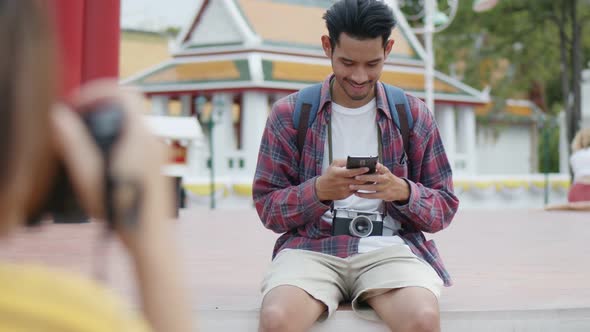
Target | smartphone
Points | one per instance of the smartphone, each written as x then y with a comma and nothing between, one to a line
358,162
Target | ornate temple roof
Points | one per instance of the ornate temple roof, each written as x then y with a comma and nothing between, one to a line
275,45
511,110
289,26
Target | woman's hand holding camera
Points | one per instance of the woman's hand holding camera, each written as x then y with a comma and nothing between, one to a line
137,157
381,185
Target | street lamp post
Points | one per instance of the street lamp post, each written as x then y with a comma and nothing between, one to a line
430,8
434,21
216,112
543,124
211,163
546,125
546,161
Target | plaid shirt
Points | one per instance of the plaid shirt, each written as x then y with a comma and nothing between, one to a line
284,183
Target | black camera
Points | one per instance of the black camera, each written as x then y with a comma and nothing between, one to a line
357,223
104,120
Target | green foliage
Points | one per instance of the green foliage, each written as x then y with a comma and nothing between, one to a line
548,149
514,48
172,31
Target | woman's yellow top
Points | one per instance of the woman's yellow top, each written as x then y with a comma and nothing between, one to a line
36,299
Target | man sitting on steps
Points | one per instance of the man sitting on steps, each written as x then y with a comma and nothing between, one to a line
348,234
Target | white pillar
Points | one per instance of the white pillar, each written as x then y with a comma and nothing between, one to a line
254,115
467,137
223,132
186,102
160,105
445,117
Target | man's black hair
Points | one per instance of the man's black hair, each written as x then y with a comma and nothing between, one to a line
360,19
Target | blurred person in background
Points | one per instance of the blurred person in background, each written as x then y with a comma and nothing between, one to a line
34,136
580,163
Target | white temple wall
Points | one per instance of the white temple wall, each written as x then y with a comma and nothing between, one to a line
445,118
465,157
503,149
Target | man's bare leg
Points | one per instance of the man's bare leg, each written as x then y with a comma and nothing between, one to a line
289,309
408,309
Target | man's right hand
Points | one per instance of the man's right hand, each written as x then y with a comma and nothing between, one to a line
335,183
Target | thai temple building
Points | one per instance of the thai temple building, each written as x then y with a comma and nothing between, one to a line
237,57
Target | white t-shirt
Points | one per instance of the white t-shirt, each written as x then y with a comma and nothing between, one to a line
580,162
354,133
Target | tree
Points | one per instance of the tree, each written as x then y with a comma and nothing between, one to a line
171,31
522,48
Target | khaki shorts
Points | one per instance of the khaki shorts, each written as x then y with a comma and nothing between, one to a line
331,280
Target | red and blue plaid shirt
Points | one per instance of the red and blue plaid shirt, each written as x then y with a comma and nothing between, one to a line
284,183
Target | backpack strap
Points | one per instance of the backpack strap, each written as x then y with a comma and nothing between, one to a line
306,109
308,100
396,99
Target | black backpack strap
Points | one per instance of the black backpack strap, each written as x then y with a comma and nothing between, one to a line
403,125
303,125
306,109
396,99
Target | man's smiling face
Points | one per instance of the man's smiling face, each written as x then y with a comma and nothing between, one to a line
357,66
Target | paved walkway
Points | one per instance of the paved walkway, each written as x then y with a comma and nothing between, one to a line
513,270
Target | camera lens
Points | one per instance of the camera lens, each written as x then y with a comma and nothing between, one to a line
360,226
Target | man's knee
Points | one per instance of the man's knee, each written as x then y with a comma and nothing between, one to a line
425,319
273,317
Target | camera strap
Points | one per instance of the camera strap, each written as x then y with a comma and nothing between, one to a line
105,120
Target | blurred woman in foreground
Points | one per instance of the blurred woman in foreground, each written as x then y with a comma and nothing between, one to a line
34,136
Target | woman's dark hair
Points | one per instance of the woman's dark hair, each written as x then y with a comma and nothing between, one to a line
360,19
27,91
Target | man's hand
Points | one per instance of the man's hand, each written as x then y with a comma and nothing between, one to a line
383,185
336,182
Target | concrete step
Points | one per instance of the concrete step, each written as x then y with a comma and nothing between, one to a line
563,320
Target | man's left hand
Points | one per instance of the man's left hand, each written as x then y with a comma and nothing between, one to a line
382,185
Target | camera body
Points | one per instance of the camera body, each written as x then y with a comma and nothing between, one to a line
104,121
357,223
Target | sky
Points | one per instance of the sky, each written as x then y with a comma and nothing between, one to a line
157,14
